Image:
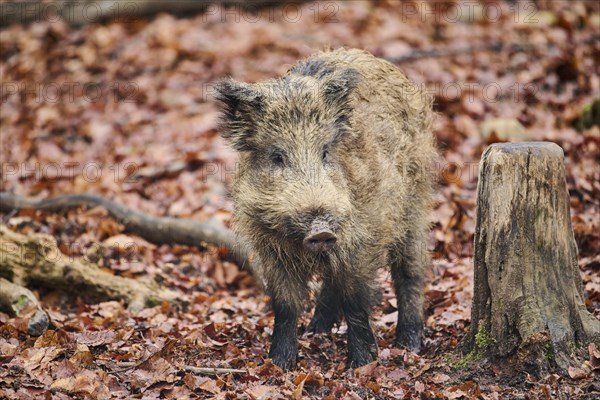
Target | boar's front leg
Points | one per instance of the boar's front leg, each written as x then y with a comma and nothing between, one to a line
284,342
356,304
287,296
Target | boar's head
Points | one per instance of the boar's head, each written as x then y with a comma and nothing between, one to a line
292,134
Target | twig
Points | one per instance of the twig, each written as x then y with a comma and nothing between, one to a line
188,368
213,371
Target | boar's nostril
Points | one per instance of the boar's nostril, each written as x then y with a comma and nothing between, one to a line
320,241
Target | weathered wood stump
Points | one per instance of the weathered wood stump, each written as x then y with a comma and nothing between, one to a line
528,309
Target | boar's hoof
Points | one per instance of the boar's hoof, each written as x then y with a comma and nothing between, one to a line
320,242
410,337
284,356
357,357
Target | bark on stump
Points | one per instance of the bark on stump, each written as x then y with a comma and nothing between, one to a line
528,308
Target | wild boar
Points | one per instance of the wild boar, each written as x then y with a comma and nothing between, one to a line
334,181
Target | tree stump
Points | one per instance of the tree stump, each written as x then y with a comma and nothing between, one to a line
528,308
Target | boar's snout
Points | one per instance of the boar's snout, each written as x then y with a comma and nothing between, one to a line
320,238
320,242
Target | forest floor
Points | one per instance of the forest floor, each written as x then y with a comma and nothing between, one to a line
122,109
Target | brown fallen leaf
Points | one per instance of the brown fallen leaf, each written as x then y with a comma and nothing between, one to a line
82,356
440,378
594,356
454,393
468,389
131,245
297,393
419,387
315,378
351,395
85,382
8,348
203,383
95,338
154,370
374,386
366,371
263,392
35,358
578,373
269,369
398,375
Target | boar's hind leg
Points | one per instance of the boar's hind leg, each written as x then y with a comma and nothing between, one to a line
327,310
408,262
356,304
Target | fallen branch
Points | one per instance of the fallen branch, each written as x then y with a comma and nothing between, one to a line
189,368
36,259
19,301
166,349
213,371
158,230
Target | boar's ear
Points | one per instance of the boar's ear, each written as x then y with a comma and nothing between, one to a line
242,104
339,85
337,89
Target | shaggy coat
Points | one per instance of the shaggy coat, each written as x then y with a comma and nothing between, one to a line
334,182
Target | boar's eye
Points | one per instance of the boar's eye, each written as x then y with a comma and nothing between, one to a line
326,157
277,158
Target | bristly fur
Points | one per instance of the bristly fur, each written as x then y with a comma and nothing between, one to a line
346,138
